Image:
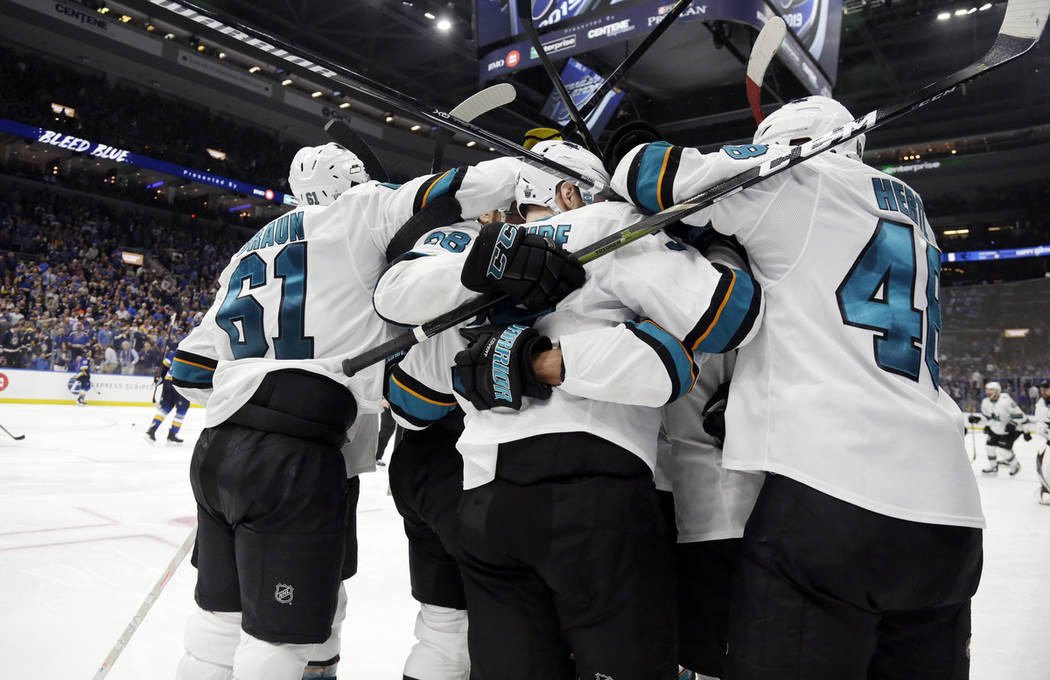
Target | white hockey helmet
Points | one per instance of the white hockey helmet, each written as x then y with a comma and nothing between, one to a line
808,118
537,187
994,387
319,174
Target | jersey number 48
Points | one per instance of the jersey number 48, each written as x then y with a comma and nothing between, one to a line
878,294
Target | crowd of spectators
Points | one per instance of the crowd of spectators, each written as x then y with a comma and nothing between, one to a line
137,120
66,291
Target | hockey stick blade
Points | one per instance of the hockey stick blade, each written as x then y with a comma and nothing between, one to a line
12,436
341,132
474,106
300,60
765,48
1024,21
483,101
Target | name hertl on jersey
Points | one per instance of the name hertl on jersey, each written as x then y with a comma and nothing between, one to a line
840,389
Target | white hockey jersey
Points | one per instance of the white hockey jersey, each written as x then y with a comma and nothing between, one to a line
1000,412
840,389
711,502
1042,417
298,294
620,366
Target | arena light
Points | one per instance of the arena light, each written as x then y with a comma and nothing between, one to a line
956,232
471,143
944,16
443,24
169,36
428,15
150,27
103,10
415,128
243,206
201,48
216,154
316,94
344,105
222,55
286,82
155,184
124,18
63,110
254,69
971,10
960,12
389,118
985,6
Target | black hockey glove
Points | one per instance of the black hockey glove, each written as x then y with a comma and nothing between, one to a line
714,413
988,430
974,419
496,367
1010,428
526,267
1027,436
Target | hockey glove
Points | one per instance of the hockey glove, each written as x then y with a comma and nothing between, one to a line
988,430
1010,428
974,419
526,267
714,413
496,367
1027,436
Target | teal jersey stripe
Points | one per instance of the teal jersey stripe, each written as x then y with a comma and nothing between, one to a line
414,408
737,311
187,375
648,183
676,358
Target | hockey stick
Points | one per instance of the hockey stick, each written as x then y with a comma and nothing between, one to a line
524,8
15,437
477,104
598,95
762,52
144,608
1020,30
317,66
347,137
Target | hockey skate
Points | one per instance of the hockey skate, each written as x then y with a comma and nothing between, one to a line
81,400
151,434
993,467
1013,464
1044,497
174,439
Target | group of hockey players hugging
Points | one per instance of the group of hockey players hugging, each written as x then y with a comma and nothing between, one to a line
719,450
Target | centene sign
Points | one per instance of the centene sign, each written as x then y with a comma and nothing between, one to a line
77,144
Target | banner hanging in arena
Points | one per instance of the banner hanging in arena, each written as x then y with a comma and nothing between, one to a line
1002,254
99,150
581,82
574,26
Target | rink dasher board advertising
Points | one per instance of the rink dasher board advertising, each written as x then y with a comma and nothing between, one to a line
816,23
76,144
20,386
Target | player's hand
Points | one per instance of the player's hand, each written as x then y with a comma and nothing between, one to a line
526,267
1027,436
496,367
714,413
974,419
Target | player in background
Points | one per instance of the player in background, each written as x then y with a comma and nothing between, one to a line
863,550
566,562
80,385
1002,416
169,400
707,504
275,471
1041,421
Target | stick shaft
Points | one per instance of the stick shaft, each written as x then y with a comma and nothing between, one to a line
144,608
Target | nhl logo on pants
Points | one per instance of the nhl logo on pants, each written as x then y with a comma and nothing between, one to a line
283,593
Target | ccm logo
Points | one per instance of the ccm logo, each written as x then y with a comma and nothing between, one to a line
513,57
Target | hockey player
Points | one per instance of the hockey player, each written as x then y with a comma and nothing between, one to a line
426,471
564,551
1041,419
276,524
864,548
169,400
1002,417
708,504
80,385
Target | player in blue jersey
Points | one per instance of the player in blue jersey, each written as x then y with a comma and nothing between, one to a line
169,399
80,385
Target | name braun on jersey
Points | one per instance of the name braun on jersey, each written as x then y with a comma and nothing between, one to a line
284,229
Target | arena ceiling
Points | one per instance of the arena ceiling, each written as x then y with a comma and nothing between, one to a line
889,48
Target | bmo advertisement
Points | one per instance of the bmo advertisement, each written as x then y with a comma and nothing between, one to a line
569,27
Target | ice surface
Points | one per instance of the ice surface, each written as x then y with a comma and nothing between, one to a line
91,513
